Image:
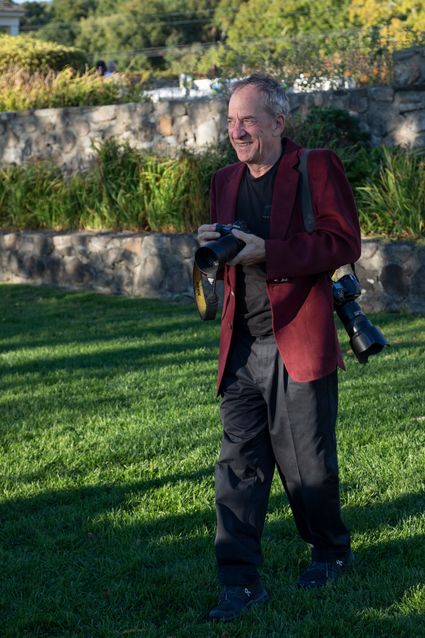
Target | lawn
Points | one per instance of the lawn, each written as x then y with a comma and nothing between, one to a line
109,433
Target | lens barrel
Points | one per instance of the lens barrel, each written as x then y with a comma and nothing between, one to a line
365,338
214,254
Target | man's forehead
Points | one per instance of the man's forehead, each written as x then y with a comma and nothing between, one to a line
247,100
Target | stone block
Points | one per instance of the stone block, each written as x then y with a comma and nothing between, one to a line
9,240
76,272
207,133
184,129
149,277
184,245
133,245
177,279
394,281
165,125
96,243
102,114
409,67
178,109
381,94
62,243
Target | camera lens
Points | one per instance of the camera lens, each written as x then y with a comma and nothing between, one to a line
216,253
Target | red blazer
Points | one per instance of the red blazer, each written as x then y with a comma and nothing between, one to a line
297,263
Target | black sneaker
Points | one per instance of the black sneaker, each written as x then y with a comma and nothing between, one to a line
319,574
236,600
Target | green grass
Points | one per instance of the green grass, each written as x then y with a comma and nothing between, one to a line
109,434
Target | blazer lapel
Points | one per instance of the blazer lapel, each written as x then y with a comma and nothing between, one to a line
285,191
230,194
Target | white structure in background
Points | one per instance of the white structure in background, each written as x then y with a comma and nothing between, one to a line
188,87
10,14
191,88
307,84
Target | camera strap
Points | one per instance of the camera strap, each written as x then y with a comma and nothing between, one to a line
205,295
309,217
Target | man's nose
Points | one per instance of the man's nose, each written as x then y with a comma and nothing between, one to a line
238,129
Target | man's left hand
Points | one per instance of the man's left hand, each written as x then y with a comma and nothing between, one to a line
254,251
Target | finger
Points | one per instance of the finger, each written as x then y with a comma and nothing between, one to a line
206,228
204,237
240,234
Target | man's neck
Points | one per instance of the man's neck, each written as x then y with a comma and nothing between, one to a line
257,170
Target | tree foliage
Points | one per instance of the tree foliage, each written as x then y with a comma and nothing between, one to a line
399,23
331,38
27,53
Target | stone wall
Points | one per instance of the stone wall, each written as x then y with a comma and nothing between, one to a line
392,275
144,265
68,136
393,115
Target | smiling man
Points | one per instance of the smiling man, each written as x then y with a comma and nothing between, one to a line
279,352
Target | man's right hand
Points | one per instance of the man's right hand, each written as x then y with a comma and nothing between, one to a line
207,232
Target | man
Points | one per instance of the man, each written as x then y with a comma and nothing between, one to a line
278,347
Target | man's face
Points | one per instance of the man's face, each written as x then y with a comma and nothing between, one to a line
254,133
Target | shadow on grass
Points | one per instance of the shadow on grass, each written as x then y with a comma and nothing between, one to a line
137,558
86,562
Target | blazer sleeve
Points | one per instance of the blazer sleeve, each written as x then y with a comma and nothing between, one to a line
336,240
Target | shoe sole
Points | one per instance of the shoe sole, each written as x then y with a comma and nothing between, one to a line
258,601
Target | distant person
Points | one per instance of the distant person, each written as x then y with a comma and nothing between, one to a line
101,68
111,68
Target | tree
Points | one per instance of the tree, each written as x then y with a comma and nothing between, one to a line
135,27
36,15
262,34
399,23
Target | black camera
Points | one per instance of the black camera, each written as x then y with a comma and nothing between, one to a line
214,254
365,338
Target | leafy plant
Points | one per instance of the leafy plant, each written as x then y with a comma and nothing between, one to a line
20,89
327,127
35,56
393,204
131,190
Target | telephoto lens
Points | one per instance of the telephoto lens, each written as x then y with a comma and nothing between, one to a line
365,338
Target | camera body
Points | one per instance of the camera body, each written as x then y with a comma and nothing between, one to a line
214,254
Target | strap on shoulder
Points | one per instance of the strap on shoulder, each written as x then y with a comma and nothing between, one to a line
309,216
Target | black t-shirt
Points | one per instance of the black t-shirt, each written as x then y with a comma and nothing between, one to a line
253,311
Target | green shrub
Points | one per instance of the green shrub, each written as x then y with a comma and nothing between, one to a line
127,190
26,52
131,190
20,90
327,127
393,203
338,130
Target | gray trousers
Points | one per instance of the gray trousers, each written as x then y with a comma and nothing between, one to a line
270,420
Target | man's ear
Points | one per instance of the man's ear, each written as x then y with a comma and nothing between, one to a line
279,125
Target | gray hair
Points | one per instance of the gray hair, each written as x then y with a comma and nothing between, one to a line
275,96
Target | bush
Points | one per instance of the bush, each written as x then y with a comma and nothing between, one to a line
20,89
338,130
127,190
130,190
393,204
32,55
